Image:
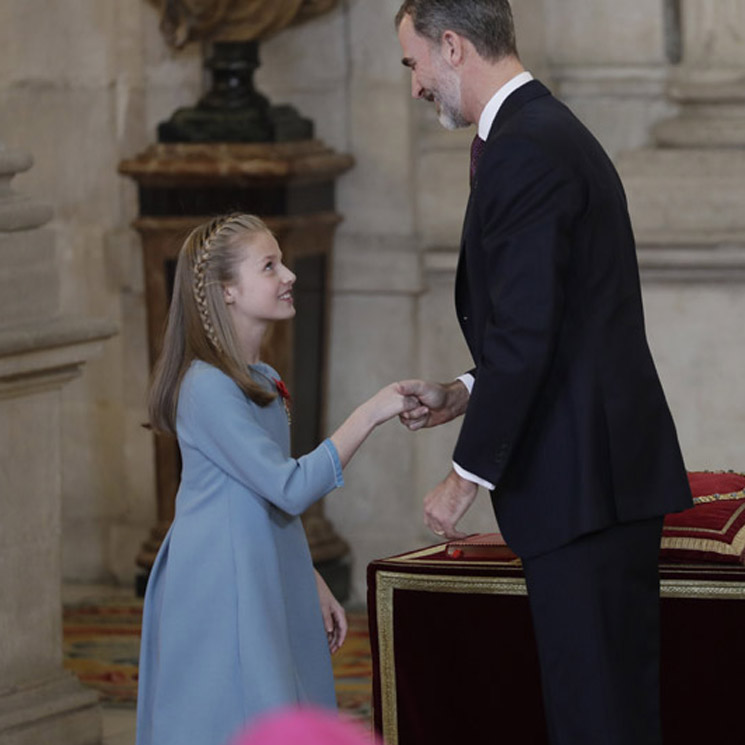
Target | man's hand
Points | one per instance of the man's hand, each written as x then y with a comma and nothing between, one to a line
447,503
439,403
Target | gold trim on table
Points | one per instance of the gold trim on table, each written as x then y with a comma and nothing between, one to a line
385,584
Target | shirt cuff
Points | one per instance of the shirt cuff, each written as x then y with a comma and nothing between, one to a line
468,476
467,379
334,455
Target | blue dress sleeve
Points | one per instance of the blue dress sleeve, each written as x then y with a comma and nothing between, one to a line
216,417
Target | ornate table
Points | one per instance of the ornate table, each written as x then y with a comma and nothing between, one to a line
454,657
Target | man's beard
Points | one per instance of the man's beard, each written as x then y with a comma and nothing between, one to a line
448,101
451,118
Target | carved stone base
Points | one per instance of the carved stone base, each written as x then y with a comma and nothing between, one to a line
55,711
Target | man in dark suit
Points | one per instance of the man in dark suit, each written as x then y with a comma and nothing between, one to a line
565,420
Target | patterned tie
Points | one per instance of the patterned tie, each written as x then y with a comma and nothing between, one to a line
477,147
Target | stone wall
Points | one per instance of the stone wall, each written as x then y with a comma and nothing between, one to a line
686,191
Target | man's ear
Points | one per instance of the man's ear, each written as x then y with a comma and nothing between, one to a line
452,48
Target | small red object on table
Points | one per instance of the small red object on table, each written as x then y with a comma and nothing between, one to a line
454,657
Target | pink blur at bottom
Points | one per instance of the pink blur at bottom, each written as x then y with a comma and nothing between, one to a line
304,727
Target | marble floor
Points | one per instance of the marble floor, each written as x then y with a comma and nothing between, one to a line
118,726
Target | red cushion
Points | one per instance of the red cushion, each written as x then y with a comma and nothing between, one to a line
713,530
716,484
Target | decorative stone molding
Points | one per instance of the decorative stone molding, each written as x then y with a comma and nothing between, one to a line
442,261
55,710
619,103
697,264
694,195
34,358
18,212
631,81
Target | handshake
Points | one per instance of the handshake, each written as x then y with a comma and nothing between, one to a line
419,404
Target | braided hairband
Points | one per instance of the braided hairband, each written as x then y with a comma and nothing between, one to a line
200,269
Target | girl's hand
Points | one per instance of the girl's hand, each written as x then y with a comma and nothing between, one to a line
389,402
385,404
334,617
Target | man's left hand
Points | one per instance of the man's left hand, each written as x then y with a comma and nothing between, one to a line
447,503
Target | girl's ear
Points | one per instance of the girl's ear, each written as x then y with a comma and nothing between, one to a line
227,294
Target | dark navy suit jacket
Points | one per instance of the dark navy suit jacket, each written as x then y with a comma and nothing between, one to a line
567,416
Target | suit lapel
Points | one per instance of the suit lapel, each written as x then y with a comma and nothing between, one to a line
513,103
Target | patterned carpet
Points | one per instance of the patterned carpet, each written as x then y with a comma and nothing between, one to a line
101,644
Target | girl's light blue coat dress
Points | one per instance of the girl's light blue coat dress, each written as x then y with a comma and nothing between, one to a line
232,625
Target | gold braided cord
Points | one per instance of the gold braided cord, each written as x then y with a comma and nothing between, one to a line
201,260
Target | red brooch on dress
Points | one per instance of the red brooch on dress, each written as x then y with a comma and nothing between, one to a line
284,394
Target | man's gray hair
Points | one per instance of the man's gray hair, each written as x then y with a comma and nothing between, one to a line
487,24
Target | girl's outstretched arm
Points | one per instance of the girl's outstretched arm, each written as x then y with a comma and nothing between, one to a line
216,419
385,404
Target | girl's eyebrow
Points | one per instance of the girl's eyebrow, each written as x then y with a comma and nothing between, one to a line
272,254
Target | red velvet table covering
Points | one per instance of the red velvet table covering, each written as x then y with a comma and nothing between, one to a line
454,656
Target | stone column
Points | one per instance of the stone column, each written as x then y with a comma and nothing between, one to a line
39,352
610,67
686,194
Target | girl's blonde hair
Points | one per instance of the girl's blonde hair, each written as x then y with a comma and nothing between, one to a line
199,325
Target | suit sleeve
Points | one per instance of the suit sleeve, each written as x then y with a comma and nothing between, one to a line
525,207
219,420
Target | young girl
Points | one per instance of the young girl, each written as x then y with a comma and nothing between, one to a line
232,625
